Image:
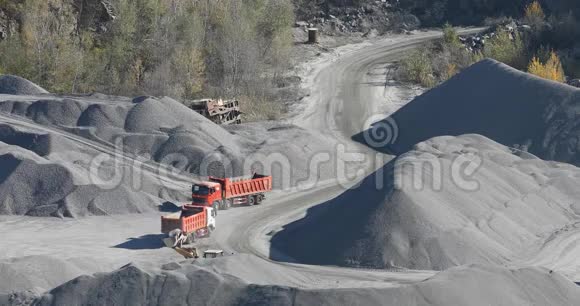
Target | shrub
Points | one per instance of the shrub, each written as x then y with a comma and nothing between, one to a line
417,68
260,107
536,67
450,36
508,48
450,71
551,70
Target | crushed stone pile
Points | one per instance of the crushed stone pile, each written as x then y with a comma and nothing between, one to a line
36,273
33,185
15,85
422,211
186,284
162,129
158,140
494,100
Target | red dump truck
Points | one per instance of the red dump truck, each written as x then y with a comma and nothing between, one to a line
223,193
188,224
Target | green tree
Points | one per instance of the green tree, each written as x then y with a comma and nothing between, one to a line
508,48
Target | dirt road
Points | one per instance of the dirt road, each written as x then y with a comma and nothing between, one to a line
345,92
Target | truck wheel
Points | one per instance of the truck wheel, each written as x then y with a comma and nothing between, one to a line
258,199
228,204
251,200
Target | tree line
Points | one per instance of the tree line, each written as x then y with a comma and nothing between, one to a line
544,49
179,48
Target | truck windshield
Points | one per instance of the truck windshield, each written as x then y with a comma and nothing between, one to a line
200,190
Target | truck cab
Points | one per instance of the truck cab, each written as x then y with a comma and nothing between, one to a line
206,194
222,193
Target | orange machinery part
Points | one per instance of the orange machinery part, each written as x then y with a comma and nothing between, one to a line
238,188
193,223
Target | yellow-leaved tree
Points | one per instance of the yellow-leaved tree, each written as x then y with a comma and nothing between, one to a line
551,70
536,67
555,69
534,14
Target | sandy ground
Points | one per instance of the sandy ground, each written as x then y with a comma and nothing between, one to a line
101,244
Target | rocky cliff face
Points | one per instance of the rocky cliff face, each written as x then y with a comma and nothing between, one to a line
349,16
72,15
95,14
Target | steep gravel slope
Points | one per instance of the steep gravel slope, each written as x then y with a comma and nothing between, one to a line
450,201
489,98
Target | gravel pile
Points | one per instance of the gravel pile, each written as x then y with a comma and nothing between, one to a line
185,284
423,215
15,85
60,137
39,273
494,100
32,185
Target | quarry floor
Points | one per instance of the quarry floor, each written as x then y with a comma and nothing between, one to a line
347,88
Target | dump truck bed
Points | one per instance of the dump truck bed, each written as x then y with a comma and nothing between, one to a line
239,187
187,220
170,222
192,223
